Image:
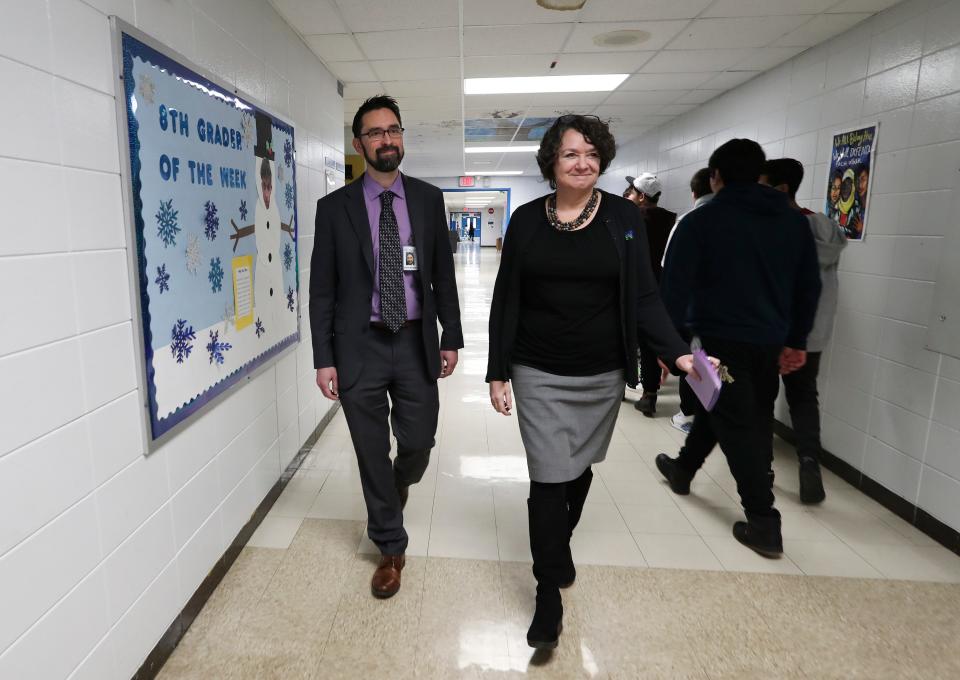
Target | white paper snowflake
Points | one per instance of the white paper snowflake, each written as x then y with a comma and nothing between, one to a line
147,88
193,254
246,127
228,317
280,174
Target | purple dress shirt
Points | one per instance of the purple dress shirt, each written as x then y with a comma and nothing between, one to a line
411,287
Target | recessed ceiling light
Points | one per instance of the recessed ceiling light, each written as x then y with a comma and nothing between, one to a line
502,149
601,82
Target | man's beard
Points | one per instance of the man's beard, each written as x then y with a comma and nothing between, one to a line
386,163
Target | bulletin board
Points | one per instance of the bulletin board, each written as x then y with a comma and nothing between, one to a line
211,207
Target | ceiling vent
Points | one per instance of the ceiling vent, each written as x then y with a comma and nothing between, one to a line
621,38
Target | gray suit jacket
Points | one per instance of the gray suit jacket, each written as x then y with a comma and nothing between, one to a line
341,278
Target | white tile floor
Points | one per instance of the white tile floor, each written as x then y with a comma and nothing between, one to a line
471,502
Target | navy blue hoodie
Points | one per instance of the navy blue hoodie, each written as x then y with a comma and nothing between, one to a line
744,268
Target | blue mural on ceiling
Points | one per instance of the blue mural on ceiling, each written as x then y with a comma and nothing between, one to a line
506,129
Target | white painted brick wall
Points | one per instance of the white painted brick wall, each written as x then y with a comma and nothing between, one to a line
891,407
92,530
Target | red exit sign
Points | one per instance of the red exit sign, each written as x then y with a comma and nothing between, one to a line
468,181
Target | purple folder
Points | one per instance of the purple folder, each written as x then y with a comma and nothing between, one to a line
708,388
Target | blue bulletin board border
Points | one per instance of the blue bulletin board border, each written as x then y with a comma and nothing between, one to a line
129,42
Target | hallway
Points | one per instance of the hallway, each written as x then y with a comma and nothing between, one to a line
663,589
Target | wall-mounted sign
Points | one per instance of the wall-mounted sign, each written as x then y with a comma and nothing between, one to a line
468,181
849,179
212,204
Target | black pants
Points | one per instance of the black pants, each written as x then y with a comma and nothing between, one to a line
688,398
800,388
395,365
649,369
741,422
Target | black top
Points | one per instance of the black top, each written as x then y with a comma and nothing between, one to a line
640,308
570,301
659,223
743,267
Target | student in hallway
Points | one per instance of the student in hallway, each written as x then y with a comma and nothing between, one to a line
800,387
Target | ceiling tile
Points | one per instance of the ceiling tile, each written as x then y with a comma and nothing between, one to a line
759,8
338,47
661,32
519,102
364,16
416,69
425,104
352,71
584,63
424,88
504,66
362,91
694,61
819,29
665,81
429,42
677,109
764,58
309,17
863,6
743,32
493,12
658,97
729,79
447,116
641,10
498,40
698,96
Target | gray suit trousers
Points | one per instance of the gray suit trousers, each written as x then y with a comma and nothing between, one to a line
394,366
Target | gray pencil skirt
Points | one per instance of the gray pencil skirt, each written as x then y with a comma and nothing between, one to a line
566,422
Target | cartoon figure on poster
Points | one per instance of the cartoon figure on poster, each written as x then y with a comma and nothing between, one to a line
848,183
271,306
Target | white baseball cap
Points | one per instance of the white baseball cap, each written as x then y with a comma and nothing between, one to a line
647,183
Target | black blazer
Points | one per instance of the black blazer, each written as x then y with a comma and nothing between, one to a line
641,311
341,278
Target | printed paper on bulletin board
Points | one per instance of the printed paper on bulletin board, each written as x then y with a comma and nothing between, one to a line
213,202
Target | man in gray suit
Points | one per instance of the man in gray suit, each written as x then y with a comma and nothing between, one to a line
381,275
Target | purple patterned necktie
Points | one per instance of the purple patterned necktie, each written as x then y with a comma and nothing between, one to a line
393,302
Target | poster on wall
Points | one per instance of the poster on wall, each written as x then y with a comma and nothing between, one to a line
212,210
849,179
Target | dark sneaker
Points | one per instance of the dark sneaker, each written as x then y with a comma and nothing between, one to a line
766,543
811,482
677,477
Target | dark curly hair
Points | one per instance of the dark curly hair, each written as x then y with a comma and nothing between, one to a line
594,130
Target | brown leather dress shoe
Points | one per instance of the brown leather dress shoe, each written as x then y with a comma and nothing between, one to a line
386,579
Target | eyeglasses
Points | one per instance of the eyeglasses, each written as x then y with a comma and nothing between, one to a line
376,134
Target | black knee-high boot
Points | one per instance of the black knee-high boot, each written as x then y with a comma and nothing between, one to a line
549,545
577,491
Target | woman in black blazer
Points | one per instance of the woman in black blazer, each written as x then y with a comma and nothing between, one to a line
573,294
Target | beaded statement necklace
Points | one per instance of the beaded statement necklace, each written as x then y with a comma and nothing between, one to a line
579,221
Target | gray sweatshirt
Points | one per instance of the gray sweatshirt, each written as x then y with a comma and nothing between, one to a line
830,240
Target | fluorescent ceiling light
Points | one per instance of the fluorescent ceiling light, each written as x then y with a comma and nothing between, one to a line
603,82
498,172
501,149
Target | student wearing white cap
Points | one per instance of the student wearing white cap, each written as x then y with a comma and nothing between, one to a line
645,191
